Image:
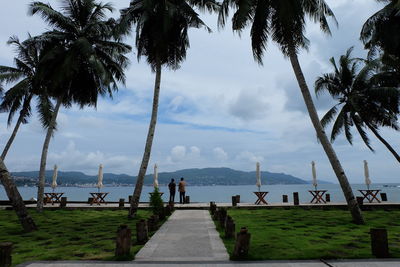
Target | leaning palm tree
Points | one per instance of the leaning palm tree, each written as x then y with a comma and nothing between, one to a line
362,100
20,95
284,22
82,60
162,37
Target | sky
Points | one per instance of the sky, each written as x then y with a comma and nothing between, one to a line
220,109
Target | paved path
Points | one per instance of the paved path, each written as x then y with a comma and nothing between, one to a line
188,235
313,263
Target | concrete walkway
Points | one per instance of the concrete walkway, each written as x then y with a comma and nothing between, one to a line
188,235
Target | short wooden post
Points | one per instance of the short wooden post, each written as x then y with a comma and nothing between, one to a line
167,211
379,242
5,254
215,216
161,215
234,201
237,198
222,216
229,227
90,200
360,201
142,233
123,241
152,223
383,196
213,207
63,202
187,200
285,198
121,202
242,244
328,197
296,201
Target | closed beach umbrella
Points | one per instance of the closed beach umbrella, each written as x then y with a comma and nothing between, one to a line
55,173
100,177
366,173
155,176
314,174
258,175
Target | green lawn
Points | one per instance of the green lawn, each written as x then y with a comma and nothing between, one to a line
67,234
278,234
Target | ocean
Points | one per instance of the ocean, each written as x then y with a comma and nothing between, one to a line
218,193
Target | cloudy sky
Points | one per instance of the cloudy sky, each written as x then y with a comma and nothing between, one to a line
220,109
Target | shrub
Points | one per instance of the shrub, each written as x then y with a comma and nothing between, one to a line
156,202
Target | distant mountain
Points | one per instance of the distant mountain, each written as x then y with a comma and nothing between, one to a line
206,176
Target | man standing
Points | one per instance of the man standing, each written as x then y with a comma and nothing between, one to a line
172,189
182,191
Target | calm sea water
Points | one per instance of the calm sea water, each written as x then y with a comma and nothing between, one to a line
215,193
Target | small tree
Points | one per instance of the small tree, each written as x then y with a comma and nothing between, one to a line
156,202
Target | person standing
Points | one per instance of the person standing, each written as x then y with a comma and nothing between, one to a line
172,190
182,191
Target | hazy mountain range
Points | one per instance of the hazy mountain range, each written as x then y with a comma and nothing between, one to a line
206,176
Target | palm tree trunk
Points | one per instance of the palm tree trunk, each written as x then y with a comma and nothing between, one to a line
337,167
146,156
16,200
388,146
43,159
11,139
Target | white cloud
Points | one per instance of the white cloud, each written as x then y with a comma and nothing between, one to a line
220,154
178,153
248,156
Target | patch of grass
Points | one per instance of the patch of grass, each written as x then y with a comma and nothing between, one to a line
68,234
279,234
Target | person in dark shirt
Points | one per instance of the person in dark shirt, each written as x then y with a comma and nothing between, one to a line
172,190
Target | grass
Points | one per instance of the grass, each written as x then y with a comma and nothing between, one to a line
279,234
68,234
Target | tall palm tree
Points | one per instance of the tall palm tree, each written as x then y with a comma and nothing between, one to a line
363,101
20,95
83,60
162,37
284,22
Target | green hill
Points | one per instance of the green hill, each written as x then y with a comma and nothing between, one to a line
206,176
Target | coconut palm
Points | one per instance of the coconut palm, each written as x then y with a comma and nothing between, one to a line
284,22
24,88
363,102
82,59
162,37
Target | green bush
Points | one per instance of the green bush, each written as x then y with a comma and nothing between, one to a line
156,202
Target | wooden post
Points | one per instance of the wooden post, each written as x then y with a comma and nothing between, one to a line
379,242
383,196
5,254
222,216
285,198
229,227
237,198
90,200
242,244
187,200
152,223
215,216
234,201
121,202
296,201
123,241
161,215
63,202
328,197
213,207
142,234
360,201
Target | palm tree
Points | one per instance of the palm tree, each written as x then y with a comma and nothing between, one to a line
20,95
162,37
382,30
362,100
16,200
82,60
284,22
